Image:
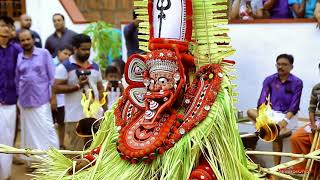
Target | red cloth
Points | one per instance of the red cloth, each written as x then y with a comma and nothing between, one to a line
301,142
203,171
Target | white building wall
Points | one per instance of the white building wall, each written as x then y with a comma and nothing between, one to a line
123,45
257,47
41,12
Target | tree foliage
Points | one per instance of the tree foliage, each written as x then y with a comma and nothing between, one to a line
106,42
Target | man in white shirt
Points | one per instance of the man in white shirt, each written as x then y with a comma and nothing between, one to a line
76,74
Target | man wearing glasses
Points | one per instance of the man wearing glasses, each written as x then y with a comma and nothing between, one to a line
8,96
284,91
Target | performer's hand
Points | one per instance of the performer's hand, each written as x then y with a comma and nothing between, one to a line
282,124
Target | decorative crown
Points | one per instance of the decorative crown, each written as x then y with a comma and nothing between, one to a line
162,60
162,65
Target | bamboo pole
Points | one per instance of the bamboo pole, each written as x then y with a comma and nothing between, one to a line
314,155
287,164
11,150
275,173
315,144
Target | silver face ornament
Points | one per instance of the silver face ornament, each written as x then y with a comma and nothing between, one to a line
176,78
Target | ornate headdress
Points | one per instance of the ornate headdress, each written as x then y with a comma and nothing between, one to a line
162,60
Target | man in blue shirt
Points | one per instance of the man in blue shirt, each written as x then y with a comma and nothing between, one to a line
8,96
302,8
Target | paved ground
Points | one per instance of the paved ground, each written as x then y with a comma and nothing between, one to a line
19,173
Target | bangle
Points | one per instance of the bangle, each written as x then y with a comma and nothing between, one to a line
286,119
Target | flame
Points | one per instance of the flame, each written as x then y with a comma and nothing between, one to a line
90,105
103,100
267,129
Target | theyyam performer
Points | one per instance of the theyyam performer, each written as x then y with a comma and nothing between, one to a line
176,119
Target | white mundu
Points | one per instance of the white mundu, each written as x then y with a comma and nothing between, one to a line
37,128
7,131
277,116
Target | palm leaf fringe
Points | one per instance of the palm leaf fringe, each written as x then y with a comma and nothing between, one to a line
211,40
141,9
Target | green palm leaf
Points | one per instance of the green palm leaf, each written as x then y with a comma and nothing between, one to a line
106,42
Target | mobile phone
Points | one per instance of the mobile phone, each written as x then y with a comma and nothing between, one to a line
81,72
114,84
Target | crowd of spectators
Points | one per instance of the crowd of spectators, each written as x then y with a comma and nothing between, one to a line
41,88
274,9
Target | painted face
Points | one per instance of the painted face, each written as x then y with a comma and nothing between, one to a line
162,87
159,73
161,80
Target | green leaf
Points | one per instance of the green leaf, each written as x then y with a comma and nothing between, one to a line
106,42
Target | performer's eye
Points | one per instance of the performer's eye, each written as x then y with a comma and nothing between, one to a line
162,81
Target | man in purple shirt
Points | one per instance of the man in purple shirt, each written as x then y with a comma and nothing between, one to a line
8,97
34,78
278,9
284,91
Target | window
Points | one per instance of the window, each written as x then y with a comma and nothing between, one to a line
12,8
